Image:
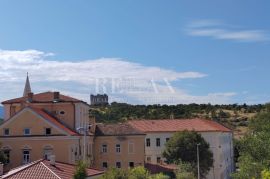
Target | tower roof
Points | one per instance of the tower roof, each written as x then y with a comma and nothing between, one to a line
27,88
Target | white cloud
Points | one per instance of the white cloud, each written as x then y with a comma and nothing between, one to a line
122,80
218,30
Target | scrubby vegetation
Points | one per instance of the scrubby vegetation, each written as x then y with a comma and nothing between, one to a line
234,116
134,173
253,150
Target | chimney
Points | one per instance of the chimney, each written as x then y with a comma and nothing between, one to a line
56,96
1,169
30,97
52,160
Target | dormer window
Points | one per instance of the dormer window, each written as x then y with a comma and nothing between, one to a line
6,132
26,131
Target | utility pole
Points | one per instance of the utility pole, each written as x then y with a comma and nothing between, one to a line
198,160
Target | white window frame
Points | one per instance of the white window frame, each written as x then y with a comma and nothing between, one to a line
26,157
118,148
104,148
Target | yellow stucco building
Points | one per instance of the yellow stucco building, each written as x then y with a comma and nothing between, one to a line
37,126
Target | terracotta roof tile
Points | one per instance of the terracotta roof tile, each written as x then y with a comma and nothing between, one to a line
43,98
173,125
116,129
53,120
42,169
160,168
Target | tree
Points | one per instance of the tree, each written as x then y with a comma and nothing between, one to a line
159,176
184,171
80,172
254,148
265,174
134,173
139,173
115,173
182,147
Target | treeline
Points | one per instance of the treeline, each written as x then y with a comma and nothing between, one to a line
119,112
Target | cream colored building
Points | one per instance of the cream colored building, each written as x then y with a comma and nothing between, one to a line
39,125
158,132
118,145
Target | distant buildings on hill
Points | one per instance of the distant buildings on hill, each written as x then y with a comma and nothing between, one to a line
99,99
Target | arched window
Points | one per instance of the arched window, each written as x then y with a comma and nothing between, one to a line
47,152
6,150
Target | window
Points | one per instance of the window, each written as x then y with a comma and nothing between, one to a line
131,164
118,165
130,147
104,165
158,159
7,156
48,131
26,131
62,112
6,131
104,148
158,142
148,142
26,156
48,151
118,148
148,159
167,139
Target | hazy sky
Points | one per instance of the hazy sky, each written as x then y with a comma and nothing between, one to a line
138,51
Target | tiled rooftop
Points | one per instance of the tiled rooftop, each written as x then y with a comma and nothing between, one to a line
53,120
173,125
43,98
42,169
116,129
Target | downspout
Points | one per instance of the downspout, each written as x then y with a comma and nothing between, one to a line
74,115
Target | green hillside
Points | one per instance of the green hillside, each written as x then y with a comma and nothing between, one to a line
234,116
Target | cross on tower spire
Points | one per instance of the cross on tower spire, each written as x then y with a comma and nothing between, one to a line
27,88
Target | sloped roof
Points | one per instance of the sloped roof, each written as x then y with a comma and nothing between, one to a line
44,115
116,130
53,120
160,168
174,125
42,169
43,98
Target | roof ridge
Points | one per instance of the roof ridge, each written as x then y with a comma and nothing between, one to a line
38,110
216,122
49,114
50,170
26,167
44,97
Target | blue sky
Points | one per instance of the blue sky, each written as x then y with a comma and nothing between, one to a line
210,51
